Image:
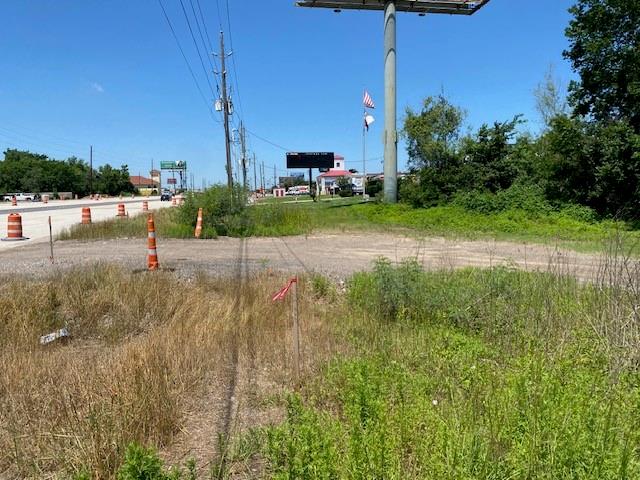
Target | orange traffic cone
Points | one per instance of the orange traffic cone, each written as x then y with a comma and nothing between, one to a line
152,253
145,206
199,224
86,215
121,212
14,201
173,201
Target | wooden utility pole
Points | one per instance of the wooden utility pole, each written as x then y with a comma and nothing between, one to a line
226,111
244,156
255,178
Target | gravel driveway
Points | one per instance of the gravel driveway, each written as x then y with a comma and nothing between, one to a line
333,254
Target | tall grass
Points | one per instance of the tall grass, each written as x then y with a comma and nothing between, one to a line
573,226
472,375
142,348
166,224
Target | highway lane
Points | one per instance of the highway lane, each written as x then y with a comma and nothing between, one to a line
64,214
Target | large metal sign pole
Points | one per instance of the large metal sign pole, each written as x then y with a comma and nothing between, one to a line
390,133
421,7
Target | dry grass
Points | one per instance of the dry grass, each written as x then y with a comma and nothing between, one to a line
143,347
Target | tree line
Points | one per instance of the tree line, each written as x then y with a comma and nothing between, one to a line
587,155
24,171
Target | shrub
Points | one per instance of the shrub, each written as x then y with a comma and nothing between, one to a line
223,209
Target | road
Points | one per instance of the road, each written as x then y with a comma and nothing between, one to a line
64,214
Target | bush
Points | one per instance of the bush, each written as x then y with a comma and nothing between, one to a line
143,464
222,209
522,197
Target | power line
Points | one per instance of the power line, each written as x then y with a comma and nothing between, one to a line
268,141
233,61
193,76
204,44
195,44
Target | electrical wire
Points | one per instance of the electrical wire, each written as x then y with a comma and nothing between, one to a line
233,61
193,76
195,44
267,140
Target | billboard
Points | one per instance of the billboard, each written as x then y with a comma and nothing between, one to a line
310,160
171,181
177,165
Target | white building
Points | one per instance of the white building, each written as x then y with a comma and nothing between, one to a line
326,182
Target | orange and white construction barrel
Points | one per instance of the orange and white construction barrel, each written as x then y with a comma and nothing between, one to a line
86,215
121,212
14,228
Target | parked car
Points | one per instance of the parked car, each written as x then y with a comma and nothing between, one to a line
166,196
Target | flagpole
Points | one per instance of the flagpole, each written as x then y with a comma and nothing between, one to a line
364,153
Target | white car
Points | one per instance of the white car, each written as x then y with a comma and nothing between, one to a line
21,197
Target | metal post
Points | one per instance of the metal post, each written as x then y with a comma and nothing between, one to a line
364,153
50,239
390,133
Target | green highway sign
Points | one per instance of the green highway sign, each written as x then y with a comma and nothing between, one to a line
177,165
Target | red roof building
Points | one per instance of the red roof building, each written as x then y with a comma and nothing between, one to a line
142,182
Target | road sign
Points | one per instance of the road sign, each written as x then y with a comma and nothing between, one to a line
171,181
177,165
310,160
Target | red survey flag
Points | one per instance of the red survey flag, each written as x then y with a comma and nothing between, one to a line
283,291
367,100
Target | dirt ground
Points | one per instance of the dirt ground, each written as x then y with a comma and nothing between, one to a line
334,254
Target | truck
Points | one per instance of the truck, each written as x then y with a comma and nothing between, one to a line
21,197
298,190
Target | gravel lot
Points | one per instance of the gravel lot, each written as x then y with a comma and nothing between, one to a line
334,254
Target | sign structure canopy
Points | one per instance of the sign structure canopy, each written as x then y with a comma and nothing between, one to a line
310,160
453,7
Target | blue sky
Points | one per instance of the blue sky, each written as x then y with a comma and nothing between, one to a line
109,74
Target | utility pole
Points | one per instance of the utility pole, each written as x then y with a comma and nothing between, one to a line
226,109
244,156
262,177
255,178
274,177
90,169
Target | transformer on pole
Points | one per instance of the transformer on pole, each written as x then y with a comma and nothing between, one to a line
390,7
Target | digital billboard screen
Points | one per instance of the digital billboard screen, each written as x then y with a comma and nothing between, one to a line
310,160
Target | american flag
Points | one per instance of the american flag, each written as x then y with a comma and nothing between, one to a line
367,100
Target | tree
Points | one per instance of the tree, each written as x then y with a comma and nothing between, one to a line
32,172
550,98
595,164
604,49
113,181
433,134
490,160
